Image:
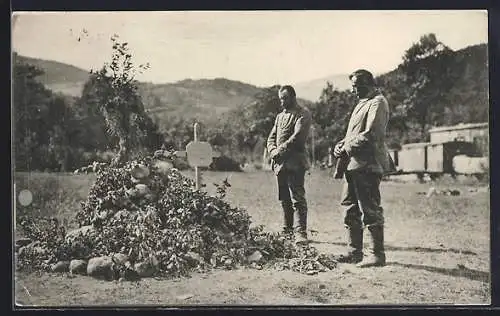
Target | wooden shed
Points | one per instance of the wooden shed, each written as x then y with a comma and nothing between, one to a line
440,155
413,157
476,133
463,164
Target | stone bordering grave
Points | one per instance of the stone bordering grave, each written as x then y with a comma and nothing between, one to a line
140,221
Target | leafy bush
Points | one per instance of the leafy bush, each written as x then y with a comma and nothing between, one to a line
164,218
224,163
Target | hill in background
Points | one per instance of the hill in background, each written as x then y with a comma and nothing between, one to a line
201,98
58,77
69,80
206,98
187,98
196,98
311,90
226,109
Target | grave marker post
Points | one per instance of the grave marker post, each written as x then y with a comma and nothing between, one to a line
199,154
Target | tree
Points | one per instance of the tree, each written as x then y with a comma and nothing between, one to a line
394,88
43,122
330,118
112,91
263,111
239,131
426,65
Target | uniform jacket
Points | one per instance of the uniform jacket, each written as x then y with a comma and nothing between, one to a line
288,139
364,142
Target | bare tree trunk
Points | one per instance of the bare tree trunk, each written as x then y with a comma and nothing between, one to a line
123,152
65,160
423,123
66,153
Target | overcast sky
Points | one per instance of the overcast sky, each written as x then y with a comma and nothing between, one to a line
257,47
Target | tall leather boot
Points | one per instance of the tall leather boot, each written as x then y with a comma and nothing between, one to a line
354,253
376,257
301,230
287,217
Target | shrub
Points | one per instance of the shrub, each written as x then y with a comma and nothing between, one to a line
164,218
224,163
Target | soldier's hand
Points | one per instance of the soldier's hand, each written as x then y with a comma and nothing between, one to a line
274,154
339,148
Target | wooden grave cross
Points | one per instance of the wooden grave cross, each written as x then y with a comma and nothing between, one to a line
199,154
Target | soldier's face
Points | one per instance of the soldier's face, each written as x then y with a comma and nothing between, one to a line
285,99
358,89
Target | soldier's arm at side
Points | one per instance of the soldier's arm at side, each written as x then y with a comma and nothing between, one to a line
271,140
375,128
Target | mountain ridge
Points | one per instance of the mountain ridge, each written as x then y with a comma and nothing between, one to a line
188,98
205,98
311,89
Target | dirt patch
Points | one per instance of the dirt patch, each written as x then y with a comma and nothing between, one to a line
313,290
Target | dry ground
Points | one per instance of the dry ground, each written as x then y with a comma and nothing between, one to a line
438,250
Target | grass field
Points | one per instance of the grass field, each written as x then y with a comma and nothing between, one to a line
438,250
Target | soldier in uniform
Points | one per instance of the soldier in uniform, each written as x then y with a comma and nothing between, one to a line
363,159
287,150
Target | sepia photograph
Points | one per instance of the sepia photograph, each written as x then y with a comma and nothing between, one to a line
250,158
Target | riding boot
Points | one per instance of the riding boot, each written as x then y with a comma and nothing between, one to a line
287,217
301,230
354,253
376,257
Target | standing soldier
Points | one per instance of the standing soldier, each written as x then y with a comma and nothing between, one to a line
286,147
363,160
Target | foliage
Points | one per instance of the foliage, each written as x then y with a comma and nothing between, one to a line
172,222
427,67
432,86
48,235
463,99
237,133
263,112
178,132
44,123
224,163
58,133
330,116
112,91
